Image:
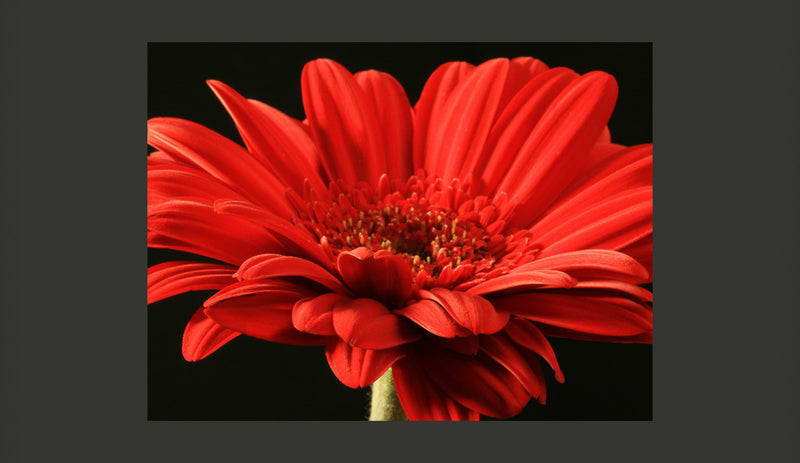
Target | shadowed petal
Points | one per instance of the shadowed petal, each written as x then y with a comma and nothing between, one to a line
476,382
356,367
422,399
368,324
525,334
433,318
472,312
203,336
262,309
381,275
315,315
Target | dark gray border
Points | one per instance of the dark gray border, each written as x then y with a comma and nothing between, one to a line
726,118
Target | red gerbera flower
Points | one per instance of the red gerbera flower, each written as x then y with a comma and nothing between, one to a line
445,240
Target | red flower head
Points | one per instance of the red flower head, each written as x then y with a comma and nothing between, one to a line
445,240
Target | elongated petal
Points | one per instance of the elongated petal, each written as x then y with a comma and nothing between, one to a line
221,158
582,314
607,159
297,239
431,102
477,382
613,225
343,122
356,367
550,157
471,312
368,324
502,350
272,138
631,177
276,265
517,122
173,181
195,227
523,281
433,318
559,332
524,333
170,278
395,118
459,133
592,264
262,309
381,275
203,336
422,399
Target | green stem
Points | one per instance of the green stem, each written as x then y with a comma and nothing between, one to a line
385,405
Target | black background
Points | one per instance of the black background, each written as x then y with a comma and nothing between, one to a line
254,379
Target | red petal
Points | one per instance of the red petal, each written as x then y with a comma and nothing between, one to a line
221,158
383,276
273,139
203,336
472,312
291,235
614,224
558,332
173,181
592,264
601,316
394,112
458,134
170,278
276,265
195,227
262,309
525,334
517,122
606,160
617,183
315,315
356,367
368,324
432,316
642,251
502,351
518,281
343,122
477,382
551,156
431,101
610,287
423,400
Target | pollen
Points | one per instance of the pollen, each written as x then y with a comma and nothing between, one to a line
444,242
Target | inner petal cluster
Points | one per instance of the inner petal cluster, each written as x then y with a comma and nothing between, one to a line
444,234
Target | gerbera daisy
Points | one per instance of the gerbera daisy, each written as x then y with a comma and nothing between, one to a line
434,246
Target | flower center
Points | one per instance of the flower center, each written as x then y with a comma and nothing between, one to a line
444,234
